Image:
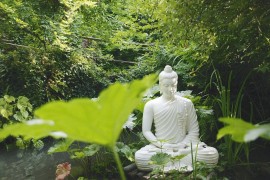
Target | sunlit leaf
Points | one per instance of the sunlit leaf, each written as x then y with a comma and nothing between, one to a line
90,150
61,146
178,157
160,158
259,131
4,113
237,128
24,113
18,116
87,151
38,144
83,119
125,149
77,155
242,131
30,129
9,99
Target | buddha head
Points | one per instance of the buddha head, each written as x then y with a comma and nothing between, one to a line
168,82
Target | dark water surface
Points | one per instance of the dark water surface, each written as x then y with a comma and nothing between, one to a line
29,164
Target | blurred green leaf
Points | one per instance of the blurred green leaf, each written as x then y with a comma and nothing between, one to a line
38,144
4,113
78,155
9,99
125,149
18,116
242,131
237,128
36,128
259,131
83,119
178,157
62,146
90,150
24,113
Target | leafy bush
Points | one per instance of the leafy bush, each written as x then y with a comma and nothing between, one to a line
16,110
92,121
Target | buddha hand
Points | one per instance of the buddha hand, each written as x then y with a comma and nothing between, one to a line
176,146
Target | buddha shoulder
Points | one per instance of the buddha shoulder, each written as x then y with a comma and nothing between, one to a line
187,101
153,102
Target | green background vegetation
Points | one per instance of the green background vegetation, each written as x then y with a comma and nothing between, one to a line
61,49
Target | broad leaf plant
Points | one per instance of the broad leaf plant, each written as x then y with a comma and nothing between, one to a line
97,121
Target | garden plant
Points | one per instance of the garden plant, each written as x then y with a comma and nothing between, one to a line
70,69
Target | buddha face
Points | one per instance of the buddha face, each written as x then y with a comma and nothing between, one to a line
168,87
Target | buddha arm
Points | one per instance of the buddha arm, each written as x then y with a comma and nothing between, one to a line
192,125
148,116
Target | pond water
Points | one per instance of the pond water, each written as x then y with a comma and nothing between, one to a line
30,164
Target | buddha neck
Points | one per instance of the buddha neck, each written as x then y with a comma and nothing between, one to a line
168,98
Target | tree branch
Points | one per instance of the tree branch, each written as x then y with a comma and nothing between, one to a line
18,45
92,38
130,62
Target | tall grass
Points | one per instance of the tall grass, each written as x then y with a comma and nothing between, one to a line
230,108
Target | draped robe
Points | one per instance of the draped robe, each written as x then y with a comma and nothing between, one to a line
175,122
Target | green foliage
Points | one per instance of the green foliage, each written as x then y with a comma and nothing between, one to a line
93,121
160,159
230,107
241,27
242,131
82,178
258,131
70,13
94,160
61,146
102,117
61,49
14,109
36,38
200,169
38,144
126,151
87,151
23,144
205,115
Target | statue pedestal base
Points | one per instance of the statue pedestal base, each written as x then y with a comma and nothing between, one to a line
132,172
203,153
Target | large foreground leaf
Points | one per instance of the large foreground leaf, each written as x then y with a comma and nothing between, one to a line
258,131
242,131
95,121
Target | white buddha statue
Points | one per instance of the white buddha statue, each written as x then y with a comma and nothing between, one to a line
176,128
